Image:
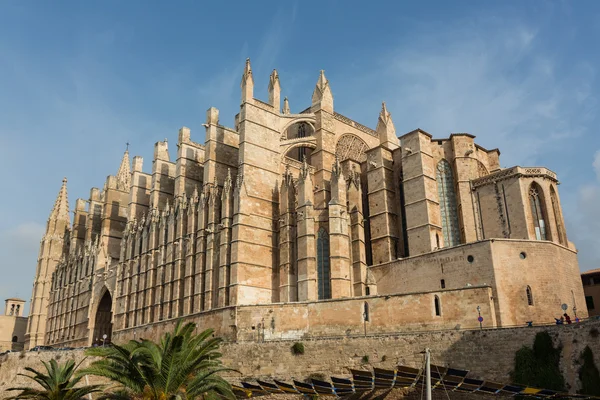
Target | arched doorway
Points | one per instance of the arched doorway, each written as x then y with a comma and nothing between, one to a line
103,324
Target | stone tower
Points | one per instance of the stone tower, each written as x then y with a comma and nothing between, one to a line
51,250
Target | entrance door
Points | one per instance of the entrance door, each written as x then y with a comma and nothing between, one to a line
103,324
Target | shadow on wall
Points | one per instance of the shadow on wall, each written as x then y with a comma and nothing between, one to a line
490,354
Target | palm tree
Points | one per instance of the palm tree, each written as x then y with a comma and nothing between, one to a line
58,384
183,366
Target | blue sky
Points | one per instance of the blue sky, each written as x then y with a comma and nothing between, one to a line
80,79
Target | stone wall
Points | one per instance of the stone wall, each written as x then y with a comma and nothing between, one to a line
11,326
339,317
489,354
507,265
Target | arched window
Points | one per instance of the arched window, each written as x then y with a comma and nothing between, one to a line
538,213
15,339
366,312
557,216
443,284
529,296
323,270
436,304
448,207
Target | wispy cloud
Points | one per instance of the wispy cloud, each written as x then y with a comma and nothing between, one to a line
492,80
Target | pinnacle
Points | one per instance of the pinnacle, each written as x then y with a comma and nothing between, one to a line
322,80
124,173
60,211
286,106
247,70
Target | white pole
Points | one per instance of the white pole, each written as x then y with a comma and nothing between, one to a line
87,382
428,373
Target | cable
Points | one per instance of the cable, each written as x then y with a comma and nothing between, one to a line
442,380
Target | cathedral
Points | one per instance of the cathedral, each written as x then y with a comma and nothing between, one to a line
296,225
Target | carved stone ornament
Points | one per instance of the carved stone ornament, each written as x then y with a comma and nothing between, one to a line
351,147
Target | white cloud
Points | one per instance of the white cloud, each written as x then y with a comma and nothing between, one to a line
596,165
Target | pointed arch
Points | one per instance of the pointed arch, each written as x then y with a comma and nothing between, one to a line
323,267
437,306
366,315
560,230
103,318
529,295
538,212
448,205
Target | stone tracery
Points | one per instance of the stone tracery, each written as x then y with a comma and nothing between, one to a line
352,147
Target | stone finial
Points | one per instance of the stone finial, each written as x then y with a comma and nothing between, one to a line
322,97
336,168
304,170
195,195
386,130
227,184
274,90
124,173
247,84
60,211
286,106
239,180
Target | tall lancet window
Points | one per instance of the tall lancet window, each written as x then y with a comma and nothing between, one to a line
448,208
538,213
323,269
560,230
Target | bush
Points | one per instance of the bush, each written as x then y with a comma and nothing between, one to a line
539,366
365,359
298,348
588,373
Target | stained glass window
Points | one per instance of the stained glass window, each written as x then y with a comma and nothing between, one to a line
448,207
323,268
537,211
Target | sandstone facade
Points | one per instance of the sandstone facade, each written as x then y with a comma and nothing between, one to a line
12,326
310,220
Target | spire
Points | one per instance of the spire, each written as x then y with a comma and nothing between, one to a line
247,84
274,90
286,106
322,97
124,173
386,130
60,211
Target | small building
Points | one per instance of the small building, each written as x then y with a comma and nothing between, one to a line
591,289
13,326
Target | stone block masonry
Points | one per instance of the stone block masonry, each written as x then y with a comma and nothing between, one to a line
488,353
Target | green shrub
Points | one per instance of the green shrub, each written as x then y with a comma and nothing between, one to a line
298,348
588,373
365,359
539,366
